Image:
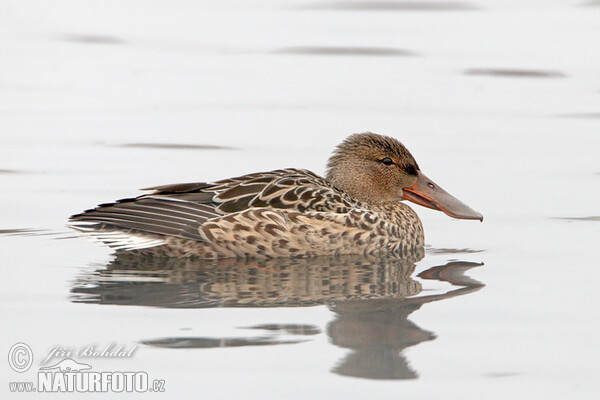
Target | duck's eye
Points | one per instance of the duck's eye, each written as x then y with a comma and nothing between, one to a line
386,161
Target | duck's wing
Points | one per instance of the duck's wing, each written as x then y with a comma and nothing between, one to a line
179,210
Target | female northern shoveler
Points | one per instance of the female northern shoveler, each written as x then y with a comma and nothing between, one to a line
287,212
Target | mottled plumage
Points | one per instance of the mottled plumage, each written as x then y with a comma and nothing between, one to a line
134,279
287,212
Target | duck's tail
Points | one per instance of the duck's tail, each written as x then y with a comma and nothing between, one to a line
143,222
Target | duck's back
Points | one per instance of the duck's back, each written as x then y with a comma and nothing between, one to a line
178,211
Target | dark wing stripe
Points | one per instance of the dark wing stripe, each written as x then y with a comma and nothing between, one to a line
238,204
143,216
138,209
192,197
272,190
155,210
177,209
192,232
179,187
241,190
114,215
152,215
203,210
117,222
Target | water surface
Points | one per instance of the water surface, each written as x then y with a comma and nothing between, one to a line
497,100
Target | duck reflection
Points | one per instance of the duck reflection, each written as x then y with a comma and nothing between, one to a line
371,299
378,330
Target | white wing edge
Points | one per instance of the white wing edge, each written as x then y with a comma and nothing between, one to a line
118,239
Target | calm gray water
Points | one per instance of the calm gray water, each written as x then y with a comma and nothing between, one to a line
499,101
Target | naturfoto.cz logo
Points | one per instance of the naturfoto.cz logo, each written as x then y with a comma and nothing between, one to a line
69,375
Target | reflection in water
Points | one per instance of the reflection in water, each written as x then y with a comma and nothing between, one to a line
176,146
205,342
131,279
294,329
378,330
393,5
208,343
584,115
92,39
515,73
370,297
589,218
442,250
344,51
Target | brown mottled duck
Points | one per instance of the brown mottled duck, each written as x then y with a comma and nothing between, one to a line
356,209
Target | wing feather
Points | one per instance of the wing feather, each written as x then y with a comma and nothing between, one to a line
179,210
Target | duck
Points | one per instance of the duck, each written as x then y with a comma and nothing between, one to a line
357,208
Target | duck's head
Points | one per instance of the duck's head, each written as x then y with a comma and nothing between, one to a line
377,169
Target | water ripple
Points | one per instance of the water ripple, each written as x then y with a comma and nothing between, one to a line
393,6
345,51
515,73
